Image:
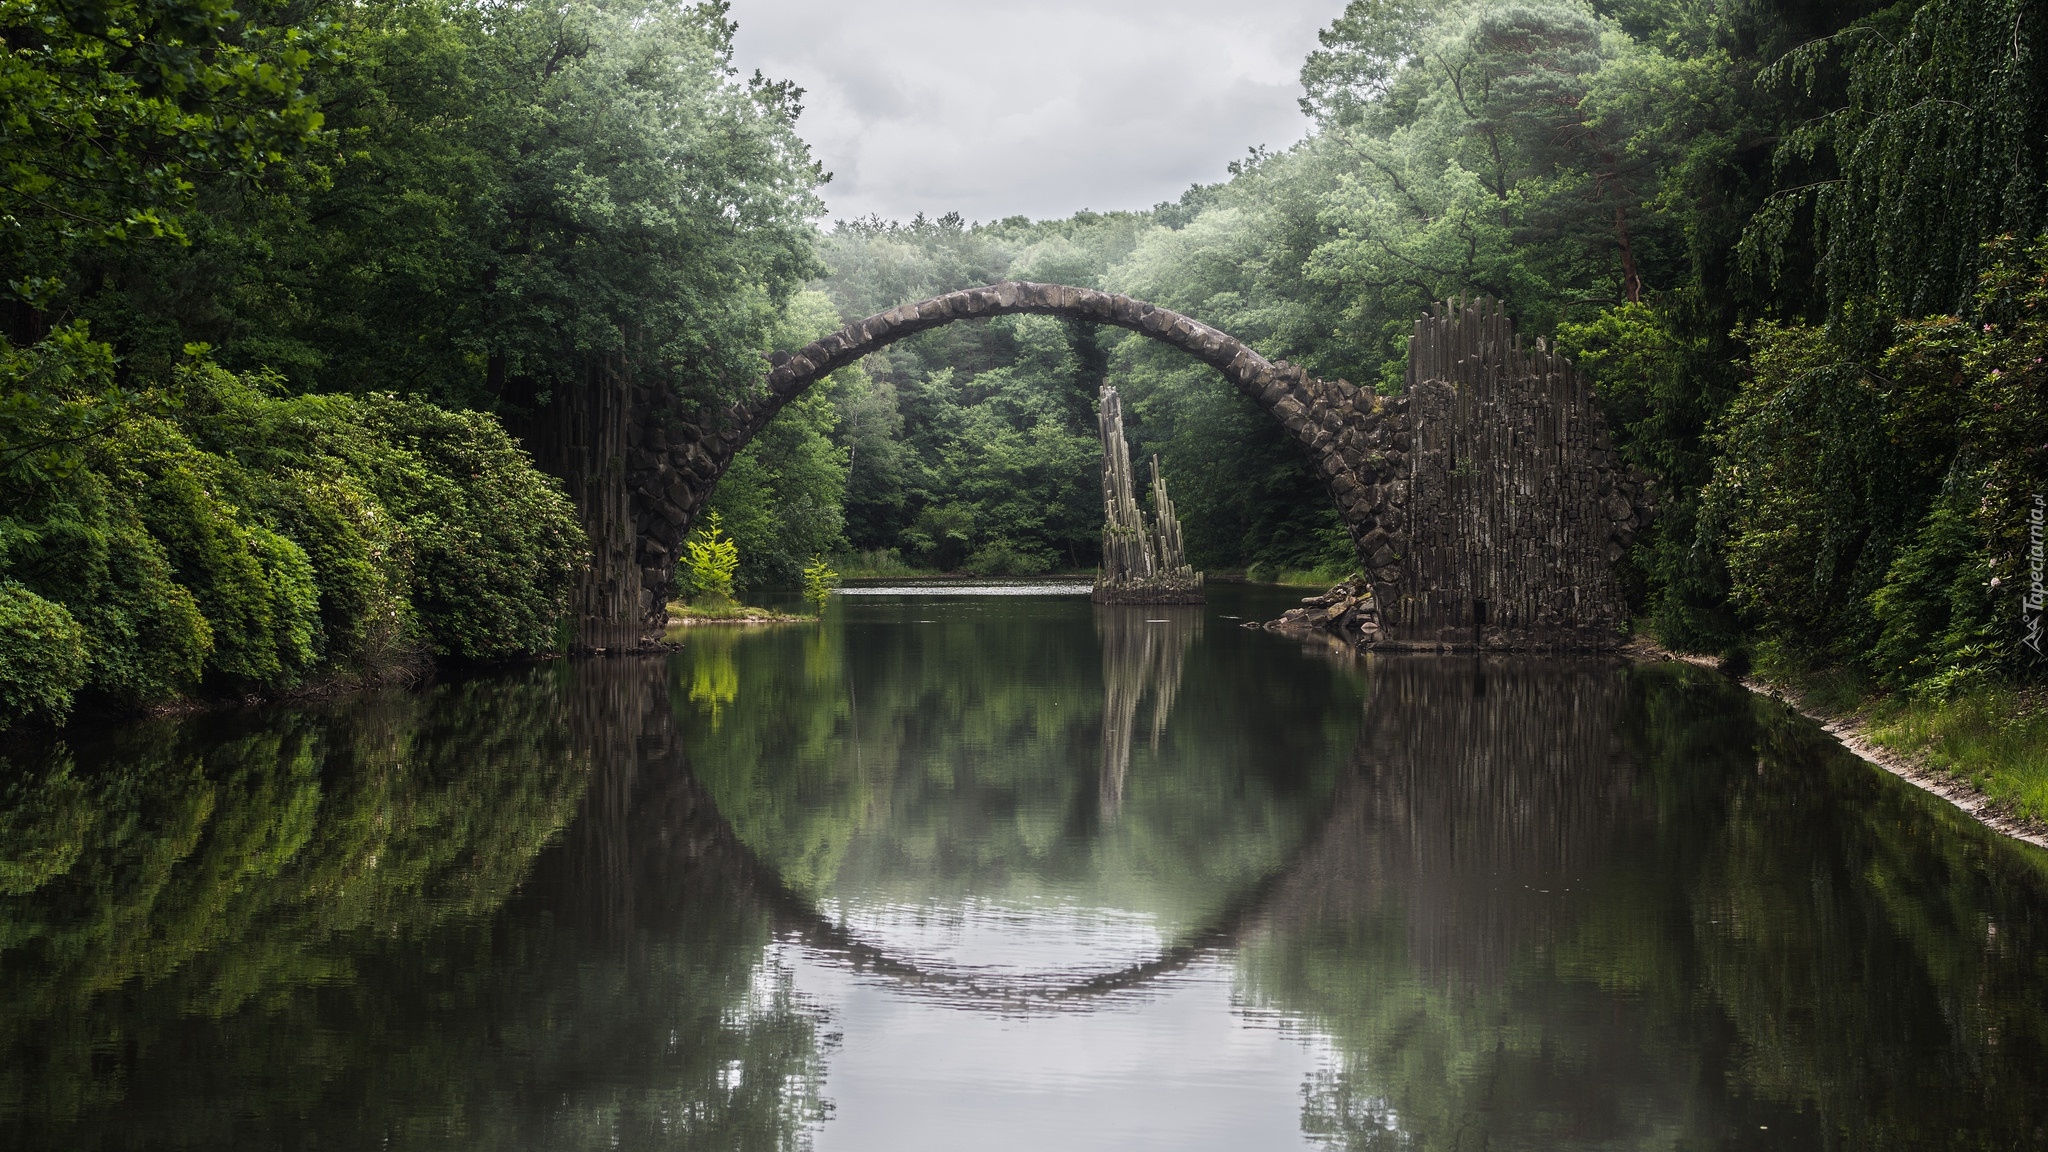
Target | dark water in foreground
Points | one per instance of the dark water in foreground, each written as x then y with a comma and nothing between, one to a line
1004,872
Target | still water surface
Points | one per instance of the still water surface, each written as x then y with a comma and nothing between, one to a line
999,871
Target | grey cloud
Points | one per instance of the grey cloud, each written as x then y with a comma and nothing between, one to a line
1034,108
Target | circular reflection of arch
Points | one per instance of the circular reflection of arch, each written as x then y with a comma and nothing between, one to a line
800,917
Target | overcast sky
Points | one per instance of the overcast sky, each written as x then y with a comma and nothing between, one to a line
1034,107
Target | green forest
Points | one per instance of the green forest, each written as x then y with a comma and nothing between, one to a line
280,276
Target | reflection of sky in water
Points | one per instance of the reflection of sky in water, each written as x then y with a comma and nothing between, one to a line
1043,943
1184,1067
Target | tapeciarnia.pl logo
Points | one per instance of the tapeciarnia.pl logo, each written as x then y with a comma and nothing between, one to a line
2035,597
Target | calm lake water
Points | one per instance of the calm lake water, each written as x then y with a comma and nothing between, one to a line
998,871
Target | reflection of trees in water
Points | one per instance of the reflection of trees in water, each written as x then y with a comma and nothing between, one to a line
246,932
651,935
1143,648
1743,928
714,682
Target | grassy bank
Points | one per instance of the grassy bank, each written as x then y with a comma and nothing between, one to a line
1993,736
1319,577
879,564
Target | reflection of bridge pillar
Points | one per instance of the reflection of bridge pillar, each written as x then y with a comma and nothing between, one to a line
1476,784
648,840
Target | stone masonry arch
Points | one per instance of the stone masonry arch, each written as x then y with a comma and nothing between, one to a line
1485,504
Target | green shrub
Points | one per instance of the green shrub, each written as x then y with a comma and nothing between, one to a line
712,560
76,538
149,638
495,544
213,536
253,586
819,581
871,563
42,655
361,563
1875,516
1000,557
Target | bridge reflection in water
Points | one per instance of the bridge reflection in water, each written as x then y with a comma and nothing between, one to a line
1473,783
1063,876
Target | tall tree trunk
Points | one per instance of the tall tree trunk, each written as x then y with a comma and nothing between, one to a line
1631,282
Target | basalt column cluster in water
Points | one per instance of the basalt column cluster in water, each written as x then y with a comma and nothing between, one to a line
1142,558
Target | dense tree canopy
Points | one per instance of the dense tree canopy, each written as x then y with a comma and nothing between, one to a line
272,269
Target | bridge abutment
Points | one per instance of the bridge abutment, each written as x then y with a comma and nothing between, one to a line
1516,508
1485,505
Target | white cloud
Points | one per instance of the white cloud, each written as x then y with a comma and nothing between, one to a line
1038,108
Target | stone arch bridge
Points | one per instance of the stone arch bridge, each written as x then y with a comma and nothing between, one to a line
1485,503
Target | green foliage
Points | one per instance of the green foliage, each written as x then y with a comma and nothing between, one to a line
1985,733
876,563
1802,469
494,545
999,557
253,587
971,434
1877,516
115,109
783,496
1361,52
943,533
712,558
211,536
1651,377
502,194
819,581
1934,146
61,395
42,654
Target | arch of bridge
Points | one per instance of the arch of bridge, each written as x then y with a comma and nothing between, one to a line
1357,439
1521,503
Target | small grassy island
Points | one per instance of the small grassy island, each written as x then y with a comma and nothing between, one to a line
713,560
680,614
